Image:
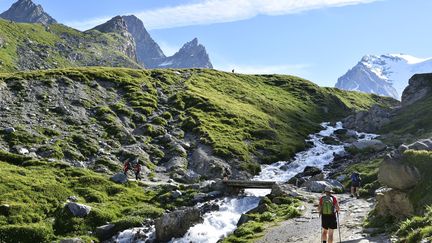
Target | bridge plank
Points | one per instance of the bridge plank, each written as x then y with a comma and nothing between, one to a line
250,184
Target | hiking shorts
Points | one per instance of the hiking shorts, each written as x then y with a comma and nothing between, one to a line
329,221
355,184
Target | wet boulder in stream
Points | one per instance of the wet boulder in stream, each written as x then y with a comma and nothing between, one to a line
176,224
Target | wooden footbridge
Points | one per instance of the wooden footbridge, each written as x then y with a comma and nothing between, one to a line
243,184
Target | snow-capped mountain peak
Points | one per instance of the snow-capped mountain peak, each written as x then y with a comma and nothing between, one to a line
385,75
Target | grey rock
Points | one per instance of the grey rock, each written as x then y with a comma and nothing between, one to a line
395,174
176,193
176,163
393,202
402,148
73,199
72,240
9,130
205,164
22,151
244,218
418,88
78,210
369,121
419,145
176,224
120,178
4,209
374,144
105,232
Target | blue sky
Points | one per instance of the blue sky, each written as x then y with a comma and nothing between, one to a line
315,39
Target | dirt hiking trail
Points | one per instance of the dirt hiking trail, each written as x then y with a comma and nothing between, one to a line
307,228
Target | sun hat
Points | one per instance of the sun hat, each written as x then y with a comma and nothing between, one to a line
328,189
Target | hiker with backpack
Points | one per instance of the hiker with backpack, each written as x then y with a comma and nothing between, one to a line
328,208
355,184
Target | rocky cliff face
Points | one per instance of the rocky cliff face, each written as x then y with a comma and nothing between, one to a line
27,12
118,25
191,55
420,86
148,51
385,75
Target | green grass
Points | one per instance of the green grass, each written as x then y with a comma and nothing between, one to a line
36,195
416,229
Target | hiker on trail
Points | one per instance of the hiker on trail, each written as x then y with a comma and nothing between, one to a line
328,207
126,166
137,170
355,184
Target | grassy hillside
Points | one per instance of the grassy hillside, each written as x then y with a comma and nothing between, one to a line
243,117
33,46
89,116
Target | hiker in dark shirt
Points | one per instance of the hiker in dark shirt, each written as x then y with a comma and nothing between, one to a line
355,184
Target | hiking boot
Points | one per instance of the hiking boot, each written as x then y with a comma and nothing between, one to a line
351,195
358,197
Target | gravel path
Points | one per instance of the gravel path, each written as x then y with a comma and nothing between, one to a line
306,229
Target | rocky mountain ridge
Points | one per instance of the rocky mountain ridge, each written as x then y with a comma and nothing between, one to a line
383,75
137,43
28,12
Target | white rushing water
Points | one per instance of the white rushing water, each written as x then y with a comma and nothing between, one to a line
218,224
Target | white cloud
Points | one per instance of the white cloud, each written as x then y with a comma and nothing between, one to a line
292,69
220,11
88,24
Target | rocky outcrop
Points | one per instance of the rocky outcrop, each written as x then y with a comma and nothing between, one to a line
176,224
368,121
419,86
373,145
27,12
204,163
397,175
118,25
393,202
78,210
149,54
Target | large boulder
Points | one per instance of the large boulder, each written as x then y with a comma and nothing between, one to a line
393,202
418,88
120,178
176,163
319,186
78,210
105,232
176,224
374,144
368,121
206,164
395,174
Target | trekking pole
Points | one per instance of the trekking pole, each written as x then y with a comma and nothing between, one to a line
340,239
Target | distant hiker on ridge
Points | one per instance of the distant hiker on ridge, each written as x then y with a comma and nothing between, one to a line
328,207
137,170
126,166
355,184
